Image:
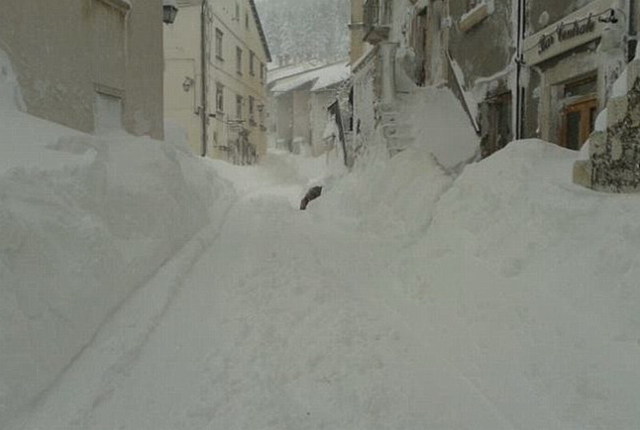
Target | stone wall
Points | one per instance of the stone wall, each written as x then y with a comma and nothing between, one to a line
614,154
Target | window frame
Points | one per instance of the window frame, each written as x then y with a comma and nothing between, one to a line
219,97
239,60
239,103
219,44
252,59
252,102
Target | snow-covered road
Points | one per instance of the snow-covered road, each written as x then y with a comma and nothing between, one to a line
423,314
273,321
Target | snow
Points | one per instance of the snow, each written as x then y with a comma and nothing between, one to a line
503,299
481,4
403,298
431,111
469,100
319,78
84,221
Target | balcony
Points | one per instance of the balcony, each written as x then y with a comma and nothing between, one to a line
376,20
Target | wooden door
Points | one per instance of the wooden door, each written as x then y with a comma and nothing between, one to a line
578,122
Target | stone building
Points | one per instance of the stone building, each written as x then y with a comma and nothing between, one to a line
539,68
215,78
102,72
520,68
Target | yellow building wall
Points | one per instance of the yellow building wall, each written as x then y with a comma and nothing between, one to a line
235,21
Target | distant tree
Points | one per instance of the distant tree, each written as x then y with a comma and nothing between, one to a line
306,28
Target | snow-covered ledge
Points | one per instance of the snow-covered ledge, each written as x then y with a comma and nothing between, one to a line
475,16
122,5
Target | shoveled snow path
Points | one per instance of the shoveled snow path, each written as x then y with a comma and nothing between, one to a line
273,321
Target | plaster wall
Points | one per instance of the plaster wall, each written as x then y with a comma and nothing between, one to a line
284,120
61,68
487,48
183,48
301,120
320,100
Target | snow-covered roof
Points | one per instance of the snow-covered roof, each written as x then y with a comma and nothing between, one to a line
318,78
263,38
332,75
276,73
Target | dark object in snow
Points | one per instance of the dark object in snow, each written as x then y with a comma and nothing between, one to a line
313,193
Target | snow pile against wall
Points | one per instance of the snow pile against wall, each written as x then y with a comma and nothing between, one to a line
83,222
396,195
392,196
530,285
440,125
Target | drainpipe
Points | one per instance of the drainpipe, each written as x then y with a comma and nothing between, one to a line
520,91
203,71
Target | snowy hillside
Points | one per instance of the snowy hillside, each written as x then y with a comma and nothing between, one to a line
306,29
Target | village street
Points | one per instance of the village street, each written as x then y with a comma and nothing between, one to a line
284,320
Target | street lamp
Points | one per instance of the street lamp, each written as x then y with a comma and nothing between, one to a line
169,11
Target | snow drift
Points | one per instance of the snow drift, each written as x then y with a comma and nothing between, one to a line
524,282
84,220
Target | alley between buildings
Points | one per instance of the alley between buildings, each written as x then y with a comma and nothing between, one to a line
275,321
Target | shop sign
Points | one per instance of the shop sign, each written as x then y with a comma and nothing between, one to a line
574,30
566,32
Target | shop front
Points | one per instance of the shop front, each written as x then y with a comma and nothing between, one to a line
576,60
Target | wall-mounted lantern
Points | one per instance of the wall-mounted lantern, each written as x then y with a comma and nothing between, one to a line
169,11
188,83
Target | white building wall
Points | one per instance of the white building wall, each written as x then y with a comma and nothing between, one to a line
320,100
183,77
365,100
239,29
62,68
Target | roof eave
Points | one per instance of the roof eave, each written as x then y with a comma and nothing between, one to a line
256,17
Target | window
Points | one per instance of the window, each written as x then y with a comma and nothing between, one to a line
219,97
252,101
251,61
239,60
239,102
261,114
219,35
498,114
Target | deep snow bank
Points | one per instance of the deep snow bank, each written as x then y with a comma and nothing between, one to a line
440,125
530,285
84,220
524,282
391,196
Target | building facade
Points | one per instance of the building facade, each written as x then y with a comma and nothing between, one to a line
520,68
215,78
300,96
104,73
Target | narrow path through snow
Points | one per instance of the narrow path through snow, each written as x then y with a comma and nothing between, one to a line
276,321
